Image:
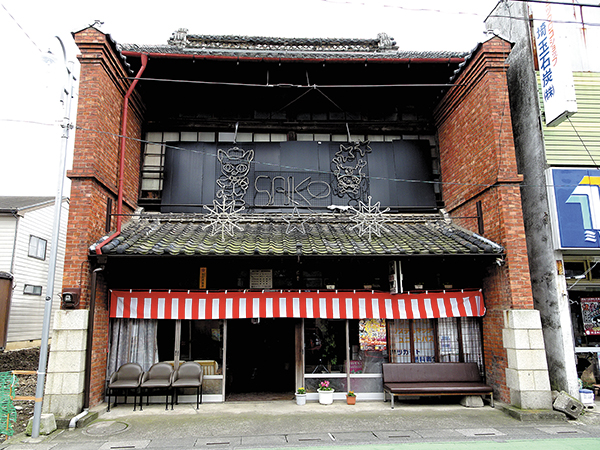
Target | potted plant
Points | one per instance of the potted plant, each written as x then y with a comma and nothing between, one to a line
325,393
351,398
301,396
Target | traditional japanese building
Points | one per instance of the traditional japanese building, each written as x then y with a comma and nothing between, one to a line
286,211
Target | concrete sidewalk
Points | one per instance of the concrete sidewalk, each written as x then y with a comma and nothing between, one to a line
283,424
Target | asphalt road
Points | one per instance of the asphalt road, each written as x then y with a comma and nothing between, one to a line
284,425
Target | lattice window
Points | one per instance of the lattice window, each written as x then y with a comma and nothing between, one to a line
431,340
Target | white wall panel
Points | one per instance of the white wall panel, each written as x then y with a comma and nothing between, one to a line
27,311
7,238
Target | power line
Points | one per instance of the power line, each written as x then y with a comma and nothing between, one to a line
526,19
22,29
585,5
31,122
288,85
440,11
303,169
582,142
404,8
465,13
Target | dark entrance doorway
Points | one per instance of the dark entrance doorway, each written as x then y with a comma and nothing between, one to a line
260,358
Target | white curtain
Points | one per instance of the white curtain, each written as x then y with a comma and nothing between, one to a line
399,341
132,341
471,334
448,339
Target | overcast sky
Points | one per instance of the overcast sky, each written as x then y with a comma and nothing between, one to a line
30,82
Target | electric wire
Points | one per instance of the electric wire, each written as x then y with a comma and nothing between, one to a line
583,276
526,19
468,13
288,85
31,122
582,142
336,86
585,5
307,170
22,29
448,11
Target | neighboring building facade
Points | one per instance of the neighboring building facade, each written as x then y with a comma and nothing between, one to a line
279,216
25,240
559,162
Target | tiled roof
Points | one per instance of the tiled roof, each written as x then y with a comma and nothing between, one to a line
381,48
181,38
278,234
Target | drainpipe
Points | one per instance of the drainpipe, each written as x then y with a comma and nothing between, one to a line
77,418
90,336
14,252
122,160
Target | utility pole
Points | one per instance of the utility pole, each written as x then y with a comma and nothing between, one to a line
66,127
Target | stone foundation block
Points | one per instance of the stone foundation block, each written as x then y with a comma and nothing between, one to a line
75,319
66,361
472,401
531,399
47,424
527,319
568,405
63,405
69,340
526,359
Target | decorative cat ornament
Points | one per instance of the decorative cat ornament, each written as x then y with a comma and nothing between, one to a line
235,168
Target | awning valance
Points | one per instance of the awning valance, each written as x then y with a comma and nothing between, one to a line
197,305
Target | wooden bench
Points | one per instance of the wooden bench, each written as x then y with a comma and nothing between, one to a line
433,379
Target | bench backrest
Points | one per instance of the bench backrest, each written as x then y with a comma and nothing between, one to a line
430,372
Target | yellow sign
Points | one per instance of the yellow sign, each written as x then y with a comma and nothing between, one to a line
372,334
202,284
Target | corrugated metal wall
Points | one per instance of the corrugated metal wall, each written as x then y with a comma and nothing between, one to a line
576,142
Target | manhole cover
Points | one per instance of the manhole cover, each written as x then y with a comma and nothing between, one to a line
105,428
480,432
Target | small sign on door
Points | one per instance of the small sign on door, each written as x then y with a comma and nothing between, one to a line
202,283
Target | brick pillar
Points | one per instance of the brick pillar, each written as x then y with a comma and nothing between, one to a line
478,164
94,179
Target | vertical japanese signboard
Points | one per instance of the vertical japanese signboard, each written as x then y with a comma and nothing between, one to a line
590,311
576,195
556,78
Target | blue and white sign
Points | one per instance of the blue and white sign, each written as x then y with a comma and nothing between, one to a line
577,197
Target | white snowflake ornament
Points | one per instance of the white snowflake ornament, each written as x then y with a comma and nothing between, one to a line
369,218
223,218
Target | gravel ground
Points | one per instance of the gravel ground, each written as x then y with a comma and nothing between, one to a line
27,359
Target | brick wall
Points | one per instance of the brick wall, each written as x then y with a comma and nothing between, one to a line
478,163
95,176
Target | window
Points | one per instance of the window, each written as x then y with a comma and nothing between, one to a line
444,340
575,269
328,343
32,290
325,345
37,247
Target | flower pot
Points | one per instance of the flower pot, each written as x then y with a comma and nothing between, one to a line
351,400
325,397
300,399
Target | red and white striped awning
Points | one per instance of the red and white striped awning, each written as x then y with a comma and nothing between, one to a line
197,305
